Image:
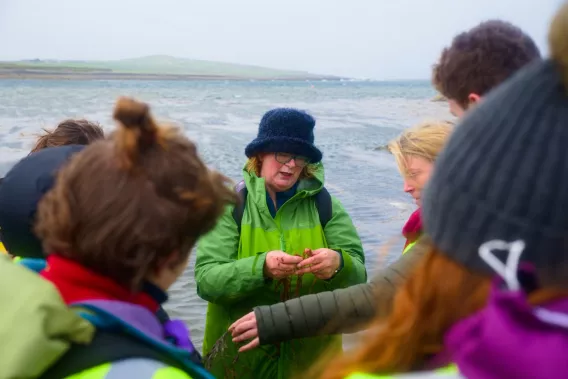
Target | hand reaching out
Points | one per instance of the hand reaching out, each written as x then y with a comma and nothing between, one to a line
245,329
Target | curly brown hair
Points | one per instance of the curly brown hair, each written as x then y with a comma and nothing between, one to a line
70,132
482,58
124,205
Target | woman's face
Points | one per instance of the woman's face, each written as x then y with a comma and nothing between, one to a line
416,174
281,171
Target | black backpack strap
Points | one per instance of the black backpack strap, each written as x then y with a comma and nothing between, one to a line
108,347
239,209
162,315
323,204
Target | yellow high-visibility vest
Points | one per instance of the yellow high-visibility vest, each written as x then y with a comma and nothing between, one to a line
450,371
408,247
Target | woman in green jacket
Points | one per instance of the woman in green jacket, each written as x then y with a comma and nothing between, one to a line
280,248
348,310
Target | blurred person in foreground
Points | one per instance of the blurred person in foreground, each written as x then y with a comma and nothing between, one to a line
118,226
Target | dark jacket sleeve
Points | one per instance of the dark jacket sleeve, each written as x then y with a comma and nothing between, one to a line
344,310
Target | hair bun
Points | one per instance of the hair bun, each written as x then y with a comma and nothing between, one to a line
558,41
131,113
138,131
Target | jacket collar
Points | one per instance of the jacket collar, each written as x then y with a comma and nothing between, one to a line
77,283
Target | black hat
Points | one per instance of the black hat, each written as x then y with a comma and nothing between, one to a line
286,130
21,190
503,176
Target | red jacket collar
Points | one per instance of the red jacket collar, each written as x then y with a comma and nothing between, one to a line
413,227
76,283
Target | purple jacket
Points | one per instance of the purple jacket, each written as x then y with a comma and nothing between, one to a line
509,338
172,332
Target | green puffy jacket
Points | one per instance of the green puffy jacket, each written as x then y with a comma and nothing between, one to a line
229,275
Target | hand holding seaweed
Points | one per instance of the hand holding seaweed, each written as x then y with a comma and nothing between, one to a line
286,282
323,263
279,264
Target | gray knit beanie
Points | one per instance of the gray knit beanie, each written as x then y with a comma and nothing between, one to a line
504,172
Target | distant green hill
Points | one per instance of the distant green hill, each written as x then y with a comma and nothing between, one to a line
150,66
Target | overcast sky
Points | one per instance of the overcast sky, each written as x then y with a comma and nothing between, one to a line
381,39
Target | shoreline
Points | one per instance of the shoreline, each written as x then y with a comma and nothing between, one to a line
86,76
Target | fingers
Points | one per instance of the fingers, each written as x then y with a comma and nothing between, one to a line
288,259
309,261
313,268
249,334
319,270
279,264
285,264
251,345
285,267
320,267
243,328
317,251
314,260
249,316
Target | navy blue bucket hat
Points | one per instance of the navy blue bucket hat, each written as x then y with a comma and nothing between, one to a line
286,130
20,192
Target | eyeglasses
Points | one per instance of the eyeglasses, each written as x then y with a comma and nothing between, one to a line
284,158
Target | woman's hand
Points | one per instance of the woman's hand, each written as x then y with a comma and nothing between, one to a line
322,263
245,329
279,265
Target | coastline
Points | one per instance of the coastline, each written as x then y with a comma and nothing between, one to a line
69,75
154,67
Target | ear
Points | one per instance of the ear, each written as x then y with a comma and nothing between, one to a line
173,260
166,262
473,98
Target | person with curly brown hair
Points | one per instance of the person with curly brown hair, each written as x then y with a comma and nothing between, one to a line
118,226
480,59
477,61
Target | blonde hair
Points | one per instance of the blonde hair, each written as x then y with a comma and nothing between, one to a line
425,140
254,165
